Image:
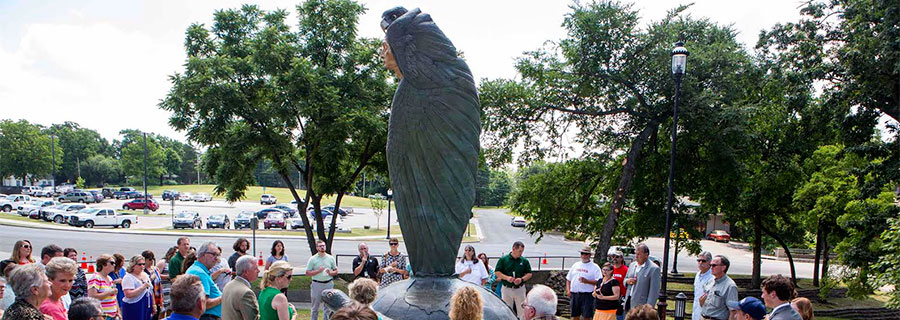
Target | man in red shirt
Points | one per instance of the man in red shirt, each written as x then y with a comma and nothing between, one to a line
619,271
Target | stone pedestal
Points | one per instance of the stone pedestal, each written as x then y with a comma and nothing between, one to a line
429,298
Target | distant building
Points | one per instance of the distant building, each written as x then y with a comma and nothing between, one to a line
13,182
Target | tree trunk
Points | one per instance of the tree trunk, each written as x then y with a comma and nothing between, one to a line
757,251
818,253
628,172
825,253
310,238
786,251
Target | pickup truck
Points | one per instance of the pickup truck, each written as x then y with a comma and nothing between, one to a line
14,201
91,217
26,209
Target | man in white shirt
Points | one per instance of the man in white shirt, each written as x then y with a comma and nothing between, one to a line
704,274
580,282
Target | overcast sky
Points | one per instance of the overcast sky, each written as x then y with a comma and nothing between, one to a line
105,64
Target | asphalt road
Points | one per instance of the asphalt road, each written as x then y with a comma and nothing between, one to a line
497,238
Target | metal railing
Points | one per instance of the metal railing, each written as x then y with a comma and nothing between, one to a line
544,262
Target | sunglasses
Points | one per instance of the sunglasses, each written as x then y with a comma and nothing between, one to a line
140,264
715,264
702,260
394,243
26,246
289,276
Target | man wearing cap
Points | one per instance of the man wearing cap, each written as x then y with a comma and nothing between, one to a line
619,271
718,291
704,274
748,309
580,282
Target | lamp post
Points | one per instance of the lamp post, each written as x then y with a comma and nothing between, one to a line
679,60
390,196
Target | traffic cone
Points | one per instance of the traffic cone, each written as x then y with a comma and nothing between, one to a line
260,259
91,267
83,260
545,259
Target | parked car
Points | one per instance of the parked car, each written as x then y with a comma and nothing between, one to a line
286,208
108,192
344,211
46,192
219,220
98,197
187,219
267,199
61,213
202,197
185,196
297,222
127,189
120,195
169,195
261,214
91,217
139,204
136,194
34,206
13,201
30,190
325,212
719,236
243,219
518,222
77,196
276,219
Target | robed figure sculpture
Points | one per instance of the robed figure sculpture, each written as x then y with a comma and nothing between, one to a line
433,139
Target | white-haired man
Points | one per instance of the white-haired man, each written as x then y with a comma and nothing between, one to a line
207,256
704,274
540,303
238,300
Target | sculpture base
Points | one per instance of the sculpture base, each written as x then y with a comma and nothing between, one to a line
429,298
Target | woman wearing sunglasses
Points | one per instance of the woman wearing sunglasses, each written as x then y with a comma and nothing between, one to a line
393,265
138,301
101,287
273,304
22,252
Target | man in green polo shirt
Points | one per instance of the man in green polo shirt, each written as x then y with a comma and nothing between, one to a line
322,269
514,271
184,248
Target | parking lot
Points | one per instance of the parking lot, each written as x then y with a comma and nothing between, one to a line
162,218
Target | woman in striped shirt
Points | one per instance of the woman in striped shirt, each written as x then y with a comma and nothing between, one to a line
101,287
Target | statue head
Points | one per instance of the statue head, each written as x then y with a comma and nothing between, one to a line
390,15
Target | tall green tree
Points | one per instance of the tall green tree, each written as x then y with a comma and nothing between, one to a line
314,100
132,161
26,151
100,170
609,84
78,144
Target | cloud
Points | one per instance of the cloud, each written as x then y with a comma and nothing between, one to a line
96,74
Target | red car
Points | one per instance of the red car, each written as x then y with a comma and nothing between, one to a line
719,236
138,204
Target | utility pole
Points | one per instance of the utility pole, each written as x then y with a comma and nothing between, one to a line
145,174
53,161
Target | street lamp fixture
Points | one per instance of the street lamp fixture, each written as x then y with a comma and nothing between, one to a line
679,62
390,195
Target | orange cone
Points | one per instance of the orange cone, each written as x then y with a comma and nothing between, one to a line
260,259
91,267
83,261
545,259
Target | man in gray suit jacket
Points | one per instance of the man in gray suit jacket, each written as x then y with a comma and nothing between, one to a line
777,292
642,279
238,300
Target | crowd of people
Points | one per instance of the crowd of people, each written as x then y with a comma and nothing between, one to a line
198,283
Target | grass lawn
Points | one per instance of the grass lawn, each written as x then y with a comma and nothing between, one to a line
252,194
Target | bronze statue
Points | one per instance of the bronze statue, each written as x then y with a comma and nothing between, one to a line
432,154
432,147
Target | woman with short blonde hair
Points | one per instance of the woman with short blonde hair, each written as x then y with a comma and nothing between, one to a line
273,305
363,290
466,304
61,273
